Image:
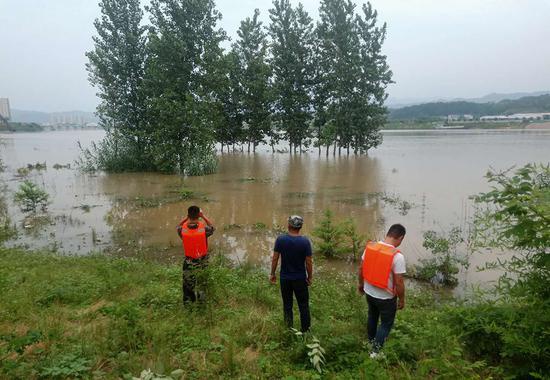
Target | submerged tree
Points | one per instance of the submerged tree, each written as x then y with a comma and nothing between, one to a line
291,32
251,50
116,68
180,82
352,76
230,131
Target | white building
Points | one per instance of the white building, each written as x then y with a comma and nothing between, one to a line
465,117
5,112
517,117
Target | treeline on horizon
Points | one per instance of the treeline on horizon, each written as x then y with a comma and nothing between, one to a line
170,92
526,104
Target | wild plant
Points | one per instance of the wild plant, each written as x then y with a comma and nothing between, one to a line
30,197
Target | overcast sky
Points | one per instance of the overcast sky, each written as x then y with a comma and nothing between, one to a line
436,48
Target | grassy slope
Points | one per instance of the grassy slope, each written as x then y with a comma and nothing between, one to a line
106,318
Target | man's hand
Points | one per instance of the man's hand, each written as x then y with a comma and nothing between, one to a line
401,304
309,280
201,215
361,289
273,279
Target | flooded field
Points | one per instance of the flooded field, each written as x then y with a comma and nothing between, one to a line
419,178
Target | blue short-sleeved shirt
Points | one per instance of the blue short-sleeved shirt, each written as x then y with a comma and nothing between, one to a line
293,251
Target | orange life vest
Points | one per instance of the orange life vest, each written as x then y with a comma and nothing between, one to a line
377,264
194,241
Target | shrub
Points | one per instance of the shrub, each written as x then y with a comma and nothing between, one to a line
329,236
515,216
352,236
445,262
30,197
70,366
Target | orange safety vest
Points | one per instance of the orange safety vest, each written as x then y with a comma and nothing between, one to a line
194,241
377,264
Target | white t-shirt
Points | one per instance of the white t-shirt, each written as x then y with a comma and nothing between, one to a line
398,267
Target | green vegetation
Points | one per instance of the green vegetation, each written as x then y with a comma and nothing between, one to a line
57,166
428,111
445,262
30,197
7,230
25,127
106,317
515,215
337,239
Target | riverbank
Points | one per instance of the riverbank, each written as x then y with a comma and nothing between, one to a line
102,317
462,125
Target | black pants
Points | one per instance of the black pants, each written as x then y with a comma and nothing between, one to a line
193,278
385,311
300,290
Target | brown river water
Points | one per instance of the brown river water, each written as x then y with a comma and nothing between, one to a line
422,179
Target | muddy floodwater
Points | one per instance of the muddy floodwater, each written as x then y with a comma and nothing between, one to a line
422,179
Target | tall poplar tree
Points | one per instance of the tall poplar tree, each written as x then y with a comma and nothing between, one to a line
291,32
374,75
230,131
181,78
351,78
116,68
251,50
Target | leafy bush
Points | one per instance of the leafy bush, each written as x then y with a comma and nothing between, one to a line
66,366
515,216
512,333
30,197
513,336
7,230
445,263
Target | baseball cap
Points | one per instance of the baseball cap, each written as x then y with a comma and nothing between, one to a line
295,221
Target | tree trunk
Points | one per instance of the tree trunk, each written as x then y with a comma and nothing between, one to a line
334,149
347,148
248,146
290,149
222,147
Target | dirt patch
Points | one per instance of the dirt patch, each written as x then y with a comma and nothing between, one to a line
250,354
95,307
545,125
34,348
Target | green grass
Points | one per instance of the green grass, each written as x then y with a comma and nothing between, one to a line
102,317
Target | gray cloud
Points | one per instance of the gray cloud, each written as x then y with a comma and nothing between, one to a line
435,48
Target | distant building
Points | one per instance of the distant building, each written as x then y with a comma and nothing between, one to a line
5,112
465,117
517,117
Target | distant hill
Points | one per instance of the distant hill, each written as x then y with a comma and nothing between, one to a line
526,104
22,116
490,98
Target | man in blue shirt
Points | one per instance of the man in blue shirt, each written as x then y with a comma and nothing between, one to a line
295,252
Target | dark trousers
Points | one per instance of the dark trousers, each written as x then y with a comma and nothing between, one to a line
193,278
384,310
300,290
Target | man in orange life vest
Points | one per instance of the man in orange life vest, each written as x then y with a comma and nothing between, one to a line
381,279
194,234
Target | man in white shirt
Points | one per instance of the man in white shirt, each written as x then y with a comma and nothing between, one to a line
381,279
